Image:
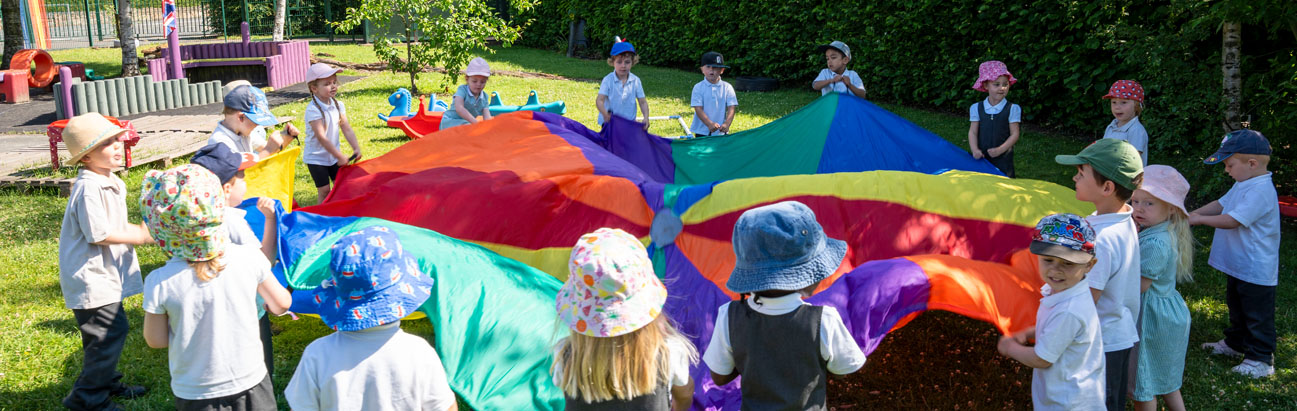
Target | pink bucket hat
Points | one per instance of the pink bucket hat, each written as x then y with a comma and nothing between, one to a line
1127,89
319,71
1165,183
183,208
611,289
990,71
478,67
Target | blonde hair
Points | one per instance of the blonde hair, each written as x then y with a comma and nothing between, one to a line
207,270
634,58
599,369
1184,244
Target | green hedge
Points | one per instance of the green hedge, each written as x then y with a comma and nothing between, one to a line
926,52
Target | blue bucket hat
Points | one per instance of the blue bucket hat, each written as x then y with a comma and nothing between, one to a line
781,247
621,47
1240,142
373,282
252,103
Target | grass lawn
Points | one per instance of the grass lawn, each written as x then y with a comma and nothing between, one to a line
940,360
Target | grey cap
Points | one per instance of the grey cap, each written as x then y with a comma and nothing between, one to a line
836,45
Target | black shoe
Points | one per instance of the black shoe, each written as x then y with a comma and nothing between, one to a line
112,406
128,392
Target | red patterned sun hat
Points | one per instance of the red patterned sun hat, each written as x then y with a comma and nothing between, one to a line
1127,89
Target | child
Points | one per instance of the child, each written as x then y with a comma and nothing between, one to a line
228,167
771,337
993,139
836,78
712,99
243,129
1068,357
1166,256
1246,248
470,100
1127,101
620,90
369,363
199,304
325,117
97,264
1107,173
621,354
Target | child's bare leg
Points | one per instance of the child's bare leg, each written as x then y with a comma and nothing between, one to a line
1174,401
1146,405
323,192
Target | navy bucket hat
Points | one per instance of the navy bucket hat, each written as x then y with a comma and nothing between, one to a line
373,282
782,247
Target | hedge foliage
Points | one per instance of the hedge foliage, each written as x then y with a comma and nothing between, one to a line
926,52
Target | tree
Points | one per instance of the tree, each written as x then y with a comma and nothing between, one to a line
281,12
12,29
126,34
434,32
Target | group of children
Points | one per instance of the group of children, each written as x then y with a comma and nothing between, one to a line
203,305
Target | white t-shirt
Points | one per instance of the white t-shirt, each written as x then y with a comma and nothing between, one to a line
377,368
1251,251
1116,273
214,346
678,357
836,345
1015,112
851,75
254,141
1133,132
92,275
623,98
1067,336
714,99
314,152
237,225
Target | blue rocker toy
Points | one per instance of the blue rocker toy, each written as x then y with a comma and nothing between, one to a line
400,101
533,104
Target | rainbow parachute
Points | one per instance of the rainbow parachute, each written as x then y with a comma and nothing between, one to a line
493,209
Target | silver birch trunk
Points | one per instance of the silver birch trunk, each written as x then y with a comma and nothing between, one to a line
1231,75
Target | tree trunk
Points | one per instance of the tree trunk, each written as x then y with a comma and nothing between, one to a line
126,34
12,29
281,15
1231,76
409,62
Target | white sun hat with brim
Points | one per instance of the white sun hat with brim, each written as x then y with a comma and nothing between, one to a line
87,132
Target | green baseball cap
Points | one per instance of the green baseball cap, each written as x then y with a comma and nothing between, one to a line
1115,159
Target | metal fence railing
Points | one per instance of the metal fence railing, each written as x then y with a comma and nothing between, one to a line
96,20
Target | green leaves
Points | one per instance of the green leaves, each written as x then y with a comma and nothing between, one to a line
415,34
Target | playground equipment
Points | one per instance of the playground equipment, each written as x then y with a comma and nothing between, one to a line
400,101
55,132
422,123
13,86
1288,206
533,104
41,75
130,95
277,64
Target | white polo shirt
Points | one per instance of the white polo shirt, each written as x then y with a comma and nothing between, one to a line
836,345
623,97
1133,132
377,368
1015,112
714,99
1067,335
1116,273
826,74
1251,251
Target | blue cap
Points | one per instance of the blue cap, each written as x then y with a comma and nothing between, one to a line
1240,142
252,103
781,247
220,160
373,282
621,47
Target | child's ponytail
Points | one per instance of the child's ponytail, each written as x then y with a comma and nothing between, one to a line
1184,245
207,270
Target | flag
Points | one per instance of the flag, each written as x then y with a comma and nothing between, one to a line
169,23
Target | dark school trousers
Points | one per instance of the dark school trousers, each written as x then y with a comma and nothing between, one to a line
1251,319
259,397
266,344
103,335
1116,369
